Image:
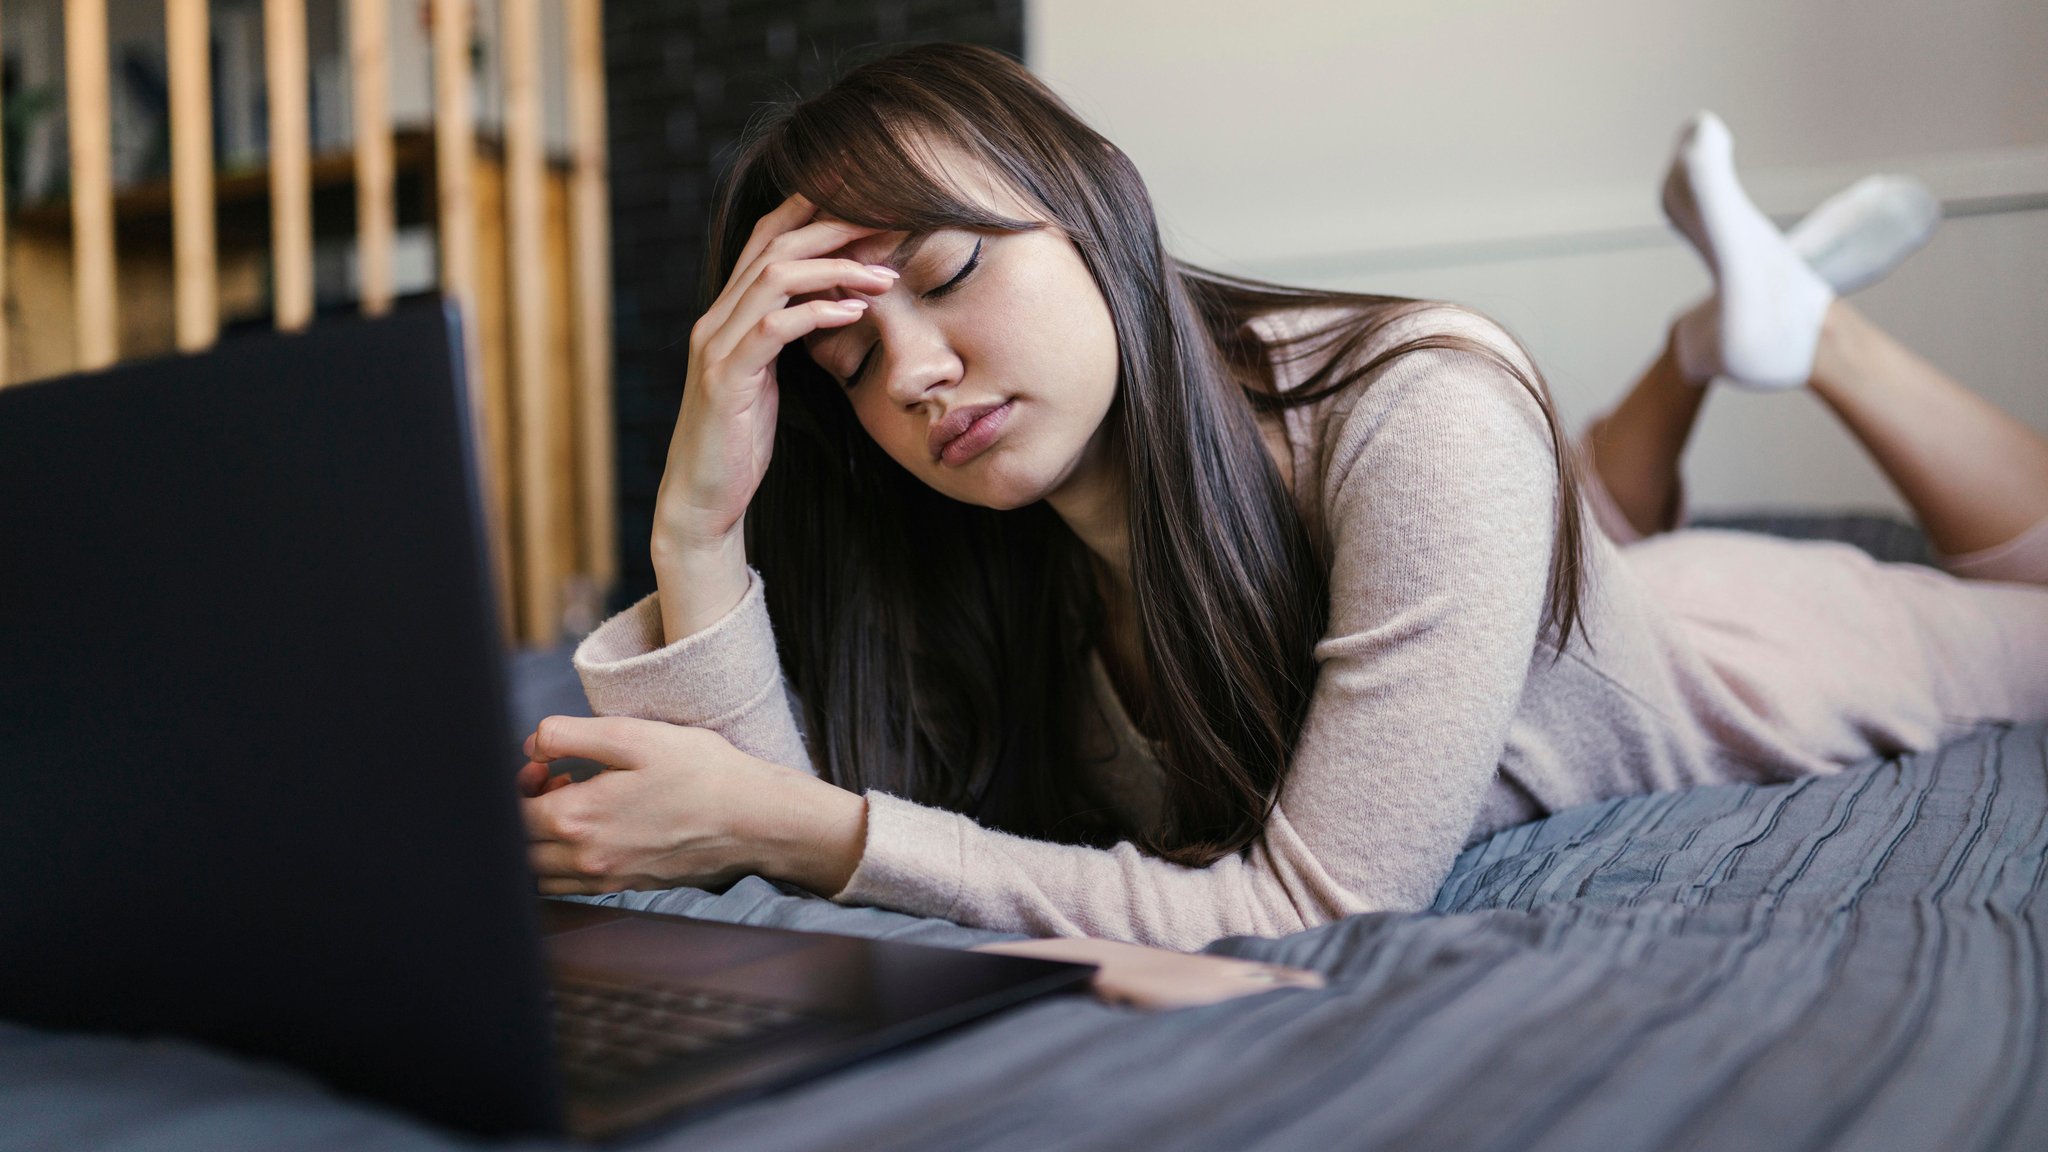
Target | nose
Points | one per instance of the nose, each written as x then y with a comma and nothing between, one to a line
917,359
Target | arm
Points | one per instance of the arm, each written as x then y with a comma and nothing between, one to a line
699,652
724,782
1440,502
725,677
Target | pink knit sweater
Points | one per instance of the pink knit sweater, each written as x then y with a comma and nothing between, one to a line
1438,716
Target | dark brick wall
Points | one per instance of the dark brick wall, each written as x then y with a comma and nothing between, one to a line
683,78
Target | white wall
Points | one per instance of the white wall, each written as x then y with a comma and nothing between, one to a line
1506,153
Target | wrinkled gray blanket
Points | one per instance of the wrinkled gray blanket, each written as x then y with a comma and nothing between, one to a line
1852,961
1848,962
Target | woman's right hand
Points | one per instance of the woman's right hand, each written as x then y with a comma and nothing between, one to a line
725,430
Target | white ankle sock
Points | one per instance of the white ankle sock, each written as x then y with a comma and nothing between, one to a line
1857,236
1852,240
1765,324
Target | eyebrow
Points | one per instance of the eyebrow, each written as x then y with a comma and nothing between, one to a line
907,250
897,258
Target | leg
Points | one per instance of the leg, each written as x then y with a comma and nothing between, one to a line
1851,240
1772,291
1635,449
1975,477
1766,316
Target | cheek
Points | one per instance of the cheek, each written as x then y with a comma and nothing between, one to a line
1080,340
898,434
1074,329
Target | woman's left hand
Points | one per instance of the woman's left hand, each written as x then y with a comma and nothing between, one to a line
678,806
1159,978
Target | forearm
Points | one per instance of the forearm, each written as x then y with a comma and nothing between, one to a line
807,832
697,582
932,862
724,676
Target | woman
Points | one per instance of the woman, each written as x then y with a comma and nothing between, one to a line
1120,599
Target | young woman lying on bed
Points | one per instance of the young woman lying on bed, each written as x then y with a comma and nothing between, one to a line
1126,600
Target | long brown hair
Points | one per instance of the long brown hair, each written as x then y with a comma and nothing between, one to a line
939,649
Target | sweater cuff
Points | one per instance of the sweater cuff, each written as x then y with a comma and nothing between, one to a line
913,860
701,680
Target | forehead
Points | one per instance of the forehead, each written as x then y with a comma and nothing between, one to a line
960,173
879,248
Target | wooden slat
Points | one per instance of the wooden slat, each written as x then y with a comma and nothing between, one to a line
291,157
454,150
540,575
456,210
92,184
192,241
575,604
491,375
590,246
376,211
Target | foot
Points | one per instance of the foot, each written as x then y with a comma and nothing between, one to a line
1857,236
1852,240
1763,324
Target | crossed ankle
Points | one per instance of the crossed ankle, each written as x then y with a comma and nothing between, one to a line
1768,304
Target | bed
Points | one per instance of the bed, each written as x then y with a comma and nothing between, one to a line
1851,961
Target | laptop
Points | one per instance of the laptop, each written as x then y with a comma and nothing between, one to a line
260,772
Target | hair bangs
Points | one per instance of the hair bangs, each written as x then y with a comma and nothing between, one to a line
880,170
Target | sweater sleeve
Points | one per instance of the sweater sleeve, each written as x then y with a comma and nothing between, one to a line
725,677
1439,501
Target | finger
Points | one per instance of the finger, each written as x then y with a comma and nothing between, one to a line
566,886
813,239
531,778
817,238
1283,976
775,331
552,819
617,741
783,282
791,213
557,783
540,820
552,860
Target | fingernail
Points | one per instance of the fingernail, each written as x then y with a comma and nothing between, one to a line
851,305
884,270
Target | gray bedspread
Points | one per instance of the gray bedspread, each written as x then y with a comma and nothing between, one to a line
1846,962
1853,961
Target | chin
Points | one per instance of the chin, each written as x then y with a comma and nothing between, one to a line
1003,484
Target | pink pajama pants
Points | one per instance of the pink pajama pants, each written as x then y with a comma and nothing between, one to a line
1843,654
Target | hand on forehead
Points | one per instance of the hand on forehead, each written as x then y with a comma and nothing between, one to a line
968,179
884,249
889,249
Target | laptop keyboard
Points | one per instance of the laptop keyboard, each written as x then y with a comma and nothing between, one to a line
609,1036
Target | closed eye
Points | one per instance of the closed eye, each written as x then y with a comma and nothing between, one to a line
966,270
861,368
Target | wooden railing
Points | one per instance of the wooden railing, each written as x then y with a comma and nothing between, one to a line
539,326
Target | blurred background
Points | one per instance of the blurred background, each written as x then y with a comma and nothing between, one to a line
175,170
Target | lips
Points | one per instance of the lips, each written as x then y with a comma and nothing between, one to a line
954,423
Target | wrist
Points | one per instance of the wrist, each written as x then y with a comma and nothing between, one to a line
697,584
675,542
810,833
